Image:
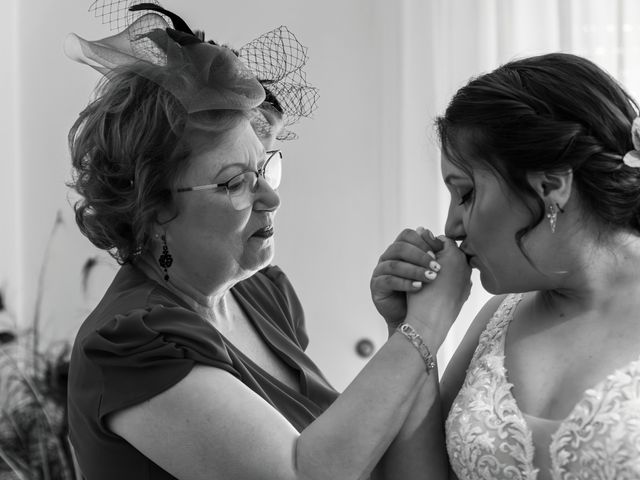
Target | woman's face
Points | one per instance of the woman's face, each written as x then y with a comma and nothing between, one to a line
486,215
210,241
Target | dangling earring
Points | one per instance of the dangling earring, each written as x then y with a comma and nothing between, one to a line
165,259
552,216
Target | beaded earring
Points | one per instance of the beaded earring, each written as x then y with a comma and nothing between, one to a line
165,259
552,215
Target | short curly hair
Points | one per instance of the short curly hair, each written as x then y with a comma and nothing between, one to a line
128,148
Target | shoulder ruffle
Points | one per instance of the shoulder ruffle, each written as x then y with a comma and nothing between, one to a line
148,350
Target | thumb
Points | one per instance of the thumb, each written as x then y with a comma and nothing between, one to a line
447,242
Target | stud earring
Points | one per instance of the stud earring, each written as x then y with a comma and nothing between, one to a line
165,259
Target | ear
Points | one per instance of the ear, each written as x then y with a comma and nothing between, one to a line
554,188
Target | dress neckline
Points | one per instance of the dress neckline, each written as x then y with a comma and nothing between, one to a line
501,320
514,300
258,323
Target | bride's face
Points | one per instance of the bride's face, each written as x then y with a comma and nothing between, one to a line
486,216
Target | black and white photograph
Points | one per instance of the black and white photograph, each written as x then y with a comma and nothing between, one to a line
330,240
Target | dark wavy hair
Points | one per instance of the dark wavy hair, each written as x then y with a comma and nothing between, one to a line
548,113
129,147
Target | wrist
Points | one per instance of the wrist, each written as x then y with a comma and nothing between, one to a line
411,334
432,325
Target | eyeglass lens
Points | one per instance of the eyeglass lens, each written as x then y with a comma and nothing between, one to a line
241,188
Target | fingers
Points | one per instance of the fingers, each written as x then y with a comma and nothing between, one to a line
414,237
405,252
408,263
450,250
382,285
406,271
399,276
409,252
420,238
446,241
435,243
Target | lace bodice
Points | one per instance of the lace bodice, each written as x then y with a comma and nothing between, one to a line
489,438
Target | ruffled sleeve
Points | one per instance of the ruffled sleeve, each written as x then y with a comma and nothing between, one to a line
146,351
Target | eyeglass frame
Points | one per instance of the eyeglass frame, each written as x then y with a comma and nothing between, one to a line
260,172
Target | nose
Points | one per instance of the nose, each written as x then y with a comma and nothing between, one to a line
453,227
265,197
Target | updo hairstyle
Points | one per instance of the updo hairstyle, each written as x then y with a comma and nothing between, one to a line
549,113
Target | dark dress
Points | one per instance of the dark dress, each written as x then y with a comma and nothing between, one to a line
141,339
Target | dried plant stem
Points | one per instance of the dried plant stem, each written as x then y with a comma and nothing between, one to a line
14,425
33,390
32,412
44,457
41,279
19,471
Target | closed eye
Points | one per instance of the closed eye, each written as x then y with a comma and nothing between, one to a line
466,197
237,182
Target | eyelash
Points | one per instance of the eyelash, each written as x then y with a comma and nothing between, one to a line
466,197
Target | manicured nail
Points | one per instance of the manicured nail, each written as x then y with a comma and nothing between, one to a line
416,284
431,275
435,266
431,254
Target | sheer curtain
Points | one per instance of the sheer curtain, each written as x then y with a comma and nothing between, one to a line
443,43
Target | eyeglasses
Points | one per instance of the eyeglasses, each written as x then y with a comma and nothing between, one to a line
240,188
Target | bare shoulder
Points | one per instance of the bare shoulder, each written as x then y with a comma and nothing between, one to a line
457,368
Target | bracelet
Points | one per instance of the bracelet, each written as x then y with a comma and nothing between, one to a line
416,340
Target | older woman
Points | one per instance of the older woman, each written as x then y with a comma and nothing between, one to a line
542,161
192,366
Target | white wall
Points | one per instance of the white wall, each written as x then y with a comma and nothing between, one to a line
10,206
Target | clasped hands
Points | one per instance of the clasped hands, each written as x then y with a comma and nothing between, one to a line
422,280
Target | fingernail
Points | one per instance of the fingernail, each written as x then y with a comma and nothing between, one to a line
431,254
416,284
431,235
435,266
442,238
420,230
431,275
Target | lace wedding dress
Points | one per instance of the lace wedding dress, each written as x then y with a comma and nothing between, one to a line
489,438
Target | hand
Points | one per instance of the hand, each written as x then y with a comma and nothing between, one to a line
436,305
401,269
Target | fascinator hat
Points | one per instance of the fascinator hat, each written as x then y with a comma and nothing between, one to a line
265,74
